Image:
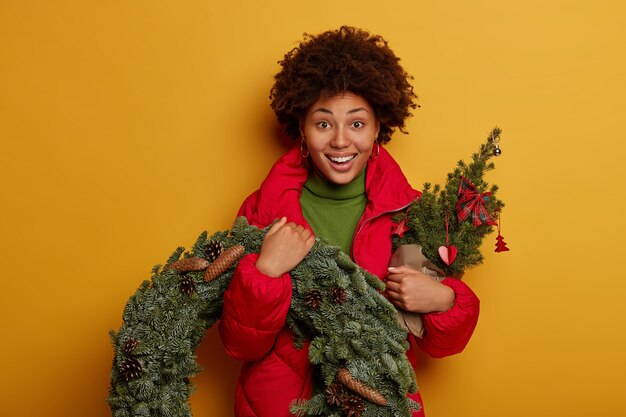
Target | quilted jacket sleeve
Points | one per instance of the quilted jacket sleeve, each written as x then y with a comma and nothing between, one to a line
449,332
255,311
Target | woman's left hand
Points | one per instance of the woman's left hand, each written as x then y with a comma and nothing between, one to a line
412,290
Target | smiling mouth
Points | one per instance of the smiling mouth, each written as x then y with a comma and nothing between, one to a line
341,159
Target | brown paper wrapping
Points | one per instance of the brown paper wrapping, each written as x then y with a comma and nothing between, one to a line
412,256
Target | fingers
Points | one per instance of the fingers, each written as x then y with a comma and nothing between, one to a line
395,298
392,284
400,282
308,237
401,273
291,225
305,236
295,230
397,274
284,246
300,230
276,226
310,241
401,269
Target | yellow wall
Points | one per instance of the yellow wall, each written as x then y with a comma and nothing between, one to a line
127,127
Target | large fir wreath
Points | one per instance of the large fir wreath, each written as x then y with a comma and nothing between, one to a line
356,341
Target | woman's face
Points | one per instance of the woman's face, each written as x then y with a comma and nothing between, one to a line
340,132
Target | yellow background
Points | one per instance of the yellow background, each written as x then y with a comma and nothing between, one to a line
127,127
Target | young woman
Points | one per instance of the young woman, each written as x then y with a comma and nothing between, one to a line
341,94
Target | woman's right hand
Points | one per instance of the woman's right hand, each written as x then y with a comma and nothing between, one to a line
283,247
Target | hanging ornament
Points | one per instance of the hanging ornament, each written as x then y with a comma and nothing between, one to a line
400,228
495,138
471,203
447,253
500,243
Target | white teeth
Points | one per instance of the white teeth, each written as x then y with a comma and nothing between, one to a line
341,159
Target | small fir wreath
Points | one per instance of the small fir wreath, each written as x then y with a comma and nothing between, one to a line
356,341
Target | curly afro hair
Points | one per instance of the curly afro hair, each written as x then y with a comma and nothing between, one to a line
337,61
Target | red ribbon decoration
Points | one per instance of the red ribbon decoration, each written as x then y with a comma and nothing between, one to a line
472,203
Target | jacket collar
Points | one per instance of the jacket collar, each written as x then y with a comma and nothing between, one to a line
386,187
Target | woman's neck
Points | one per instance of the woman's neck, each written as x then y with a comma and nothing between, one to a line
319,185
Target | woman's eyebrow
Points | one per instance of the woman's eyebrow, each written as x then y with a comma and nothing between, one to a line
358,109
322,110
325,110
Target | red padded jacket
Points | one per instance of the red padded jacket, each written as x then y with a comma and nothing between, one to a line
253,328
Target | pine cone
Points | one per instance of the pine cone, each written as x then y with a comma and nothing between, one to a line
187,285
189,264
335,394
353,406
223,262
337,295
345,377
129,345
213,250
313,298
131,368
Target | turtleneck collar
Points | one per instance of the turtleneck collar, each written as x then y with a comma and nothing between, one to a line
321,187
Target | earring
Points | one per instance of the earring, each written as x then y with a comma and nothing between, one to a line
375,155
304,150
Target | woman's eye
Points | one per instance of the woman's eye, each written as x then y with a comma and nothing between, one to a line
323,125
357,124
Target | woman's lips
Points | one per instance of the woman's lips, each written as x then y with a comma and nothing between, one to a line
341,163
341,159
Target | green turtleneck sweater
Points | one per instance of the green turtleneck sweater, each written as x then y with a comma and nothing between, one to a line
333,210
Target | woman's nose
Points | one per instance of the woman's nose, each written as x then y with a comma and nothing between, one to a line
340,139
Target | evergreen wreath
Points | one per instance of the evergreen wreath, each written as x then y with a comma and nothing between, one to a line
356,341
